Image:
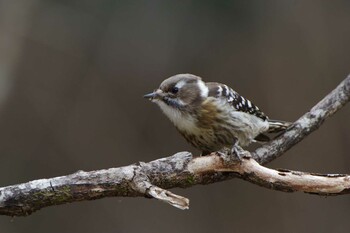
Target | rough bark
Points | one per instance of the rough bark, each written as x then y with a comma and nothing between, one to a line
152,179
306,124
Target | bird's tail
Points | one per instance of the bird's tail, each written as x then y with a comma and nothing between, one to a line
276,126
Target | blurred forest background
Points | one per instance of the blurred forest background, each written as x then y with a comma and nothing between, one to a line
72,77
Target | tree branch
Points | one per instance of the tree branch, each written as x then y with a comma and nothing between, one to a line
306,124
182,170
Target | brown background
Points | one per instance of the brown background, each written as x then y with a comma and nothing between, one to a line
72,76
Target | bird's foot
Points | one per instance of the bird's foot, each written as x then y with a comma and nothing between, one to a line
237,152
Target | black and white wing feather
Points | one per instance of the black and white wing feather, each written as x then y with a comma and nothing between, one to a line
238,102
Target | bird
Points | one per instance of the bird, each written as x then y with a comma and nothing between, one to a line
212,116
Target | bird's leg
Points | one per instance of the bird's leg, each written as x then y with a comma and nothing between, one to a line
232,155
237,151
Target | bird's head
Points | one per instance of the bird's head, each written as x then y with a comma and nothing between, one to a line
181,92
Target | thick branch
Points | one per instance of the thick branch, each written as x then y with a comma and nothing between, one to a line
181,170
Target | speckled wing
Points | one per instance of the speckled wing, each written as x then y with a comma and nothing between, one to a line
238,102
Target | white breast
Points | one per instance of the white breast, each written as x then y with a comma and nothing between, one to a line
186,123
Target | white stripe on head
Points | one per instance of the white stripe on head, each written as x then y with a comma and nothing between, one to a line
203,88
180,84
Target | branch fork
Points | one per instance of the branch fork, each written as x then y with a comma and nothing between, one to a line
142,184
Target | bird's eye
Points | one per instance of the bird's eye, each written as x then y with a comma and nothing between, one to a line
175,90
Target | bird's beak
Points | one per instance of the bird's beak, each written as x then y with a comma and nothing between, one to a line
154,95
150,95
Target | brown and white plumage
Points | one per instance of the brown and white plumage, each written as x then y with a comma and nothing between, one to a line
212,116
